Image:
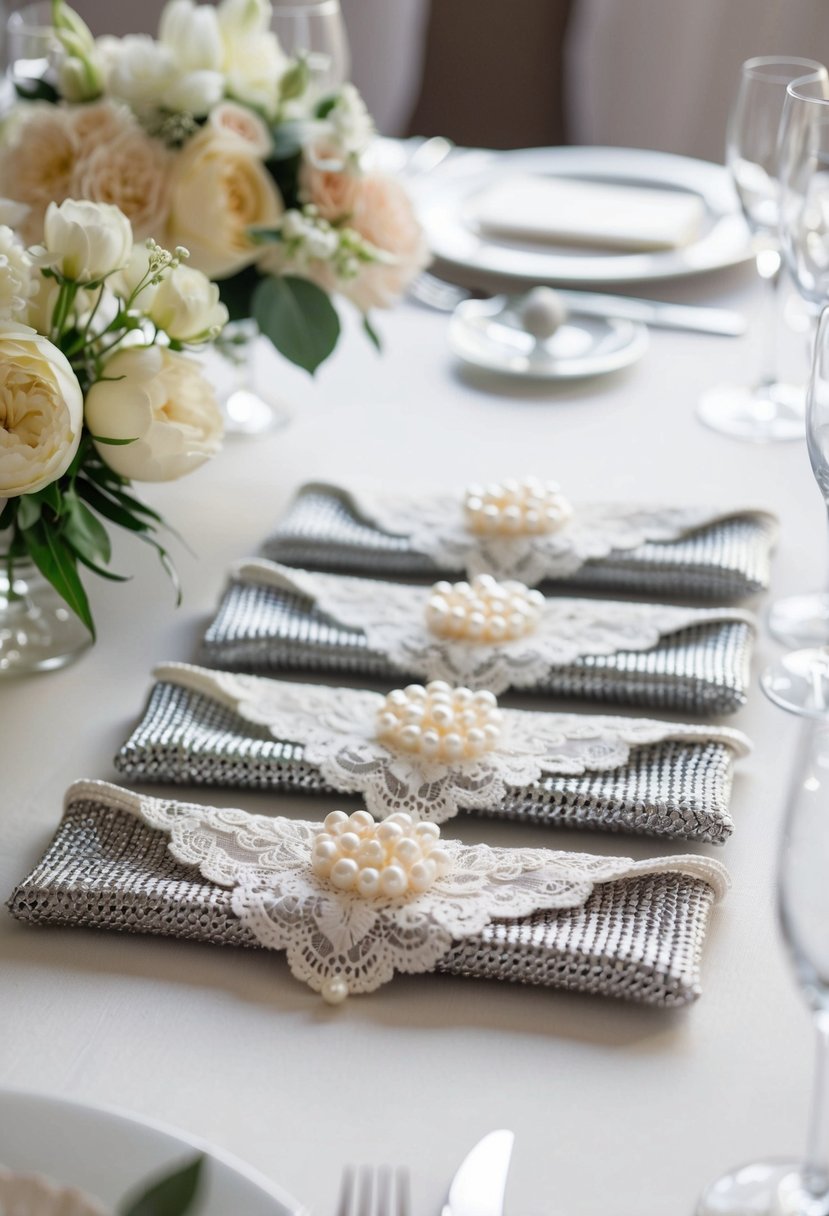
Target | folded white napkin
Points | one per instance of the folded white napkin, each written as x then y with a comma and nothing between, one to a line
556,210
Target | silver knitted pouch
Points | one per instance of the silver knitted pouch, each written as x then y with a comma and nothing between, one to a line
639,938
675,786
726,559
695,661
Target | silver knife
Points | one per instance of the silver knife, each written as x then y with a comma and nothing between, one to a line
479,1185
700,318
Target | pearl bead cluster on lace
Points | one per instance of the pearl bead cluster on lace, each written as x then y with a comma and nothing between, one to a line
483,610
391,859
516,508
440,722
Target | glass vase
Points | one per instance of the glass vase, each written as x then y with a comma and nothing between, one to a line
248,408
38,631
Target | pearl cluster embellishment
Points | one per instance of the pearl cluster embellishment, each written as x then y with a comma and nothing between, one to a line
440,722
516,508
391,859
483,610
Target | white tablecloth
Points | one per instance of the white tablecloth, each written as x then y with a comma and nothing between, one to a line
617,1109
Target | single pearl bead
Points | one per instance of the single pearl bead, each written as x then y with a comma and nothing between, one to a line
532,519
389,831
476,625
371,853
387,722
440,858
468,719
407,850
349,842
463,696
476,738
368,882
437,686
427,831
410,736
360,820
453,746
398,697
334,820
492,734
419,876
326,849
442,715
486,698
430,742
441,588
414,711
402,817
497,626
512,517
393,881
484,582
344,873
334,990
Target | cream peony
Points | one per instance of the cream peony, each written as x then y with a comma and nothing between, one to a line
240,122
41,411
87,240
98,123
37,162
161,400
18,284
384,217
186,306
327,183
130,171
218,191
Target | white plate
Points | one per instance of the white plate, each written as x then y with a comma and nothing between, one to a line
488,334
107,1153
443,196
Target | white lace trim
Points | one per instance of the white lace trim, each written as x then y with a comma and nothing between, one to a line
35,1195
331,934
393,618
434,525
336,728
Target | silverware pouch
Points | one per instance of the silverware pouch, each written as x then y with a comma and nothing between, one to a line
272,620
722,558
638,938
204,728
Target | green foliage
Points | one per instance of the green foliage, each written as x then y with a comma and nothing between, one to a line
299,319
371,333
173,1195
236,292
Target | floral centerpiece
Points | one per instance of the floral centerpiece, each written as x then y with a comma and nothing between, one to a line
96,391
210,135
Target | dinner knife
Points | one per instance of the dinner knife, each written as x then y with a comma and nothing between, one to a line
700,318
479,1185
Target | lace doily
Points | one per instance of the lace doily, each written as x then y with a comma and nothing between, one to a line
393,618
434,525
336,728
335,936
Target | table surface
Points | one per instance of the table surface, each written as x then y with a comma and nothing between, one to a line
617,1109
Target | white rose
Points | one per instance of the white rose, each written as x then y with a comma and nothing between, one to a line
253,60
18,282
161,400
186,306
191,33
87,240
242,123
219,190
41,411
349,122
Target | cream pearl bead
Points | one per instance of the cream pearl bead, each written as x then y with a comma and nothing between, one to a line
394,881
368,882
514,507
448,717
334,990
376,859
428,830
358,820
389,830
334,819
484,612
407,851
344,873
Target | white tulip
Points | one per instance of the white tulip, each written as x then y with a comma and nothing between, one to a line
87,240
253,60
191,32
161,401
138,69
41,411
186,306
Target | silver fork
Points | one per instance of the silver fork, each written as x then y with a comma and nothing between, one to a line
374,1192
433,292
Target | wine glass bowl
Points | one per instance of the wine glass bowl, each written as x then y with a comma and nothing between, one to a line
314,30
769,409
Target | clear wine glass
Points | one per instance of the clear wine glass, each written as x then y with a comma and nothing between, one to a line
768,409
803,620
788,1187
316,30
32,47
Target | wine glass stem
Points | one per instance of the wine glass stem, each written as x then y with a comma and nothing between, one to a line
769,265
816,1165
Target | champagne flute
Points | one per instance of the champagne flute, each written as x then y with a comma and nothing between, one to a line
781,1187
768,409
314,29
803,620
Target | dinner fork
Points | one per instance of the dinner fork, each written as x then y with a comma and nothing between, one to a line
374,1192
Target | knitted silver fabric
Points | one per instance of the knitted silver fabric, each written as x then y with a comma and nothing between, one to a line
725,561
265,630
640,938
672,789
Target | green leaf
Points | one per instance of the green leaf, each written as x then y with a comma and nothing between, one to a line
85,533
371,333
116,443
166,562
8,513
33,89
326,105
28,511
56,562
236,292
110,510
174,1195
100,571
50,495
299,319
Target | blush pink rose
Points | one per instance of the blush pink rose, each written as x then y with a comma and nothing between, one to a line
383,215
